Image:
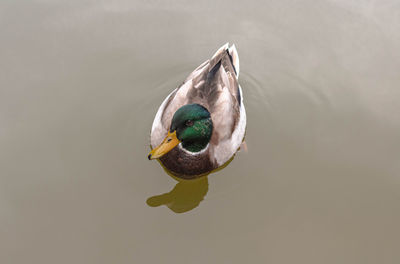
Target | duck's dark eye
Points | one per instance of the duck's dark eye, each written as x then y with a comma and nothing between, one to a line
189,123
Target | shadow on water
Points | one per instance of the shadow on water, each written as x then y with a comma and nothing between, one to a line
185,196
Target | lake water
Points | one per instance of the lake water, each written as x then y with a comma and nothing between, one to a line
81,81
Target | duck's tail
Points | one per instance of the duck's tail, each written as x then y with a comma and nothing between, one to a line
233,56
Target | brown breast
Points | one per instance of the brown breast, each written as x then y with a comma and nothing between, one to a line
187,166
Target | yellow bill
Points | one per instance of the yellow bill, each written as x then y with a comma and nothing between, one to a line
169,142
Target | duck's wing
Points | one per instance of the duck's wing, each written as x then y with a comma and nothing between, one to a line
214,85
225,103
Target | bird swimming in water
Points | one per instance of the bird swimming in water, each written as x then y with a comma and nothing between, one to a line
201,124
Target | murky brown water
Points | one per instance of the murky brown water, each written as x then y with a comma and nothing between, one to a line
80,83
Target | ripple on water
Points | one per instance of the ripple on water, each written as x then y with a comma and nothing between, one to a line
254,93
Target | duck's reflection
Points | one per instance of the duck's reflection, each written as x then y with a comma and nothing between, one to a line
185,196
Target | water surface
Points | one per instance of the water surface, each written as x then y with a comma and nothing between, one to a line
81,81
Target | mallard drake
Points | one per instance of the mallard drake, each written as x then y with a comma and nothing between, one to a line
201,124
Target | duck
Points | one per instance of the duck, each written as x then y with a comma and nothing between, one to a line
201,124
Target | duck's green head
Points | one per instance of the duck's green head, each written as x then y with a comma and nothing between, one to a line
191,125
